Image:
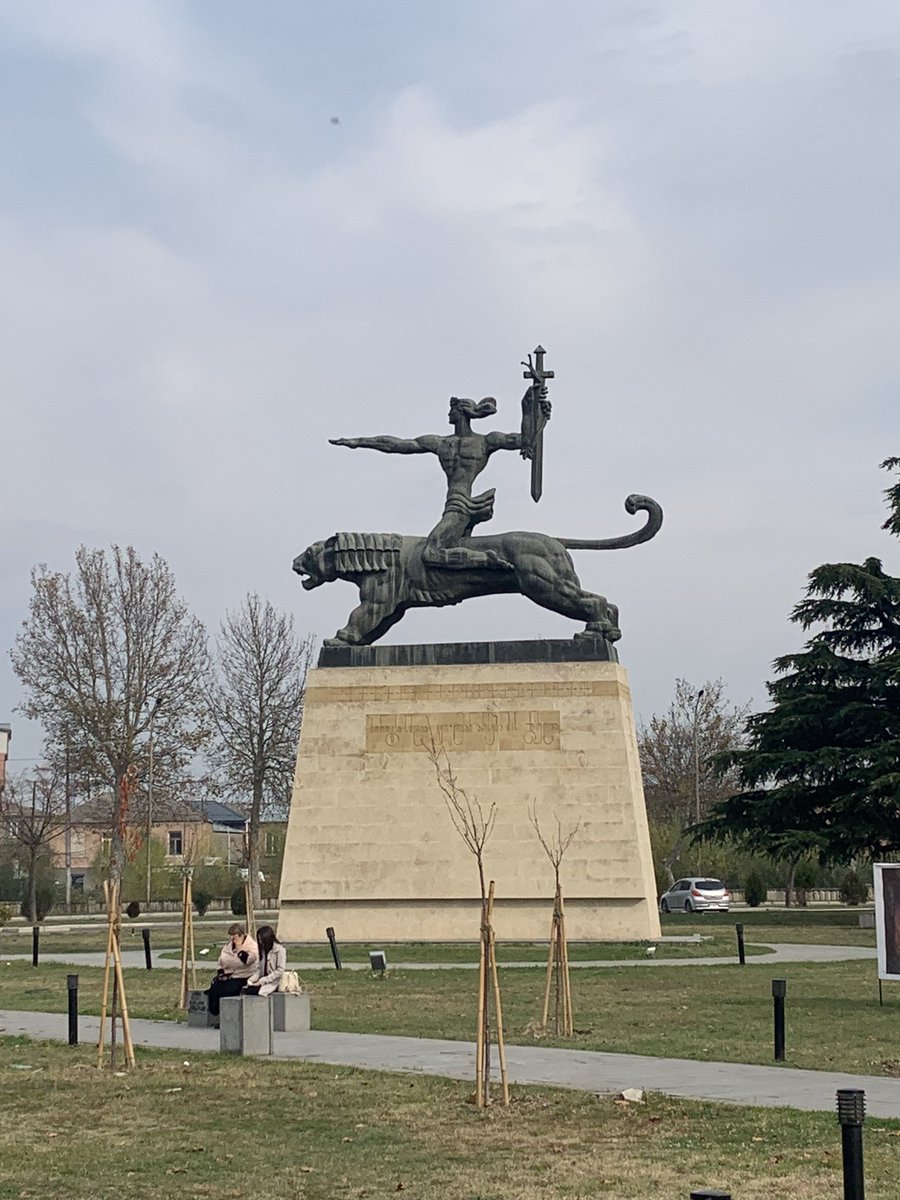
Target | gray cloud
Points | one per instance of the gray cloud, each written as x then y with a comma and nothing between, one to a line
691,205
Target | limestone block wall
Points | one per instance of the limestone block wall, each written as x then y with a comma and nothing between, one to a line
371,848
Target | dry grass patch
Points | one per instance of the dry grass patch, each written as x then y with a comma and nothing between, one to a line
211,1128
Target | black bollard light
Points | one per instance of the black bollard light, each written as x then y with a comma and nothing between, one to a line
742,957
779,991
335,953
145,934
72,987
851,1112
710,1194
35,944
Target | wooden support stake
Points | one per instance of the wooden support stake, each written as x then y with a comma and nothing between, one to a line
126,1023
106,965
188,967
479,1036
249,913
558,965
182,983
550,957
191,955
568,1021
118,1002
486,955
501,1050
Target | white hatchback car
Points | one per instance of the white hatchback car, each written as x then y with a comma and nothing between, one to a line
696,895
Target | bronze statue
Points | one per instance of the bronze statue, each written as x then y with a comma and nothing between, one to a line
395,573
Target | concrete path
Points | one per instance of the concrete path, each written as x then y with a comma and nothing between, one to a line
583,1070
781,953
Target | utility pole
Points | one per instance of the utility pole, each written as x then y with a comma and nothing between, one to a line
697,700
156,703
68,833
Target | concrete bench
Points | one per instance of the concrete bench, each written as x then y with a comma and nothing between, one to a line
198,1014
245,1025
290,1012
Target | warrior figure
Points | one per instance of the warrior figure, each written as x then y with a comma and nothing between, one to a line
463,456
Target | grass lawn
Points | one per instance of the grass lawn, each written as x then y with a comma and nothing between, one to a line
712,1013
219,1127
531,952
810,926
762,925
17,939
212,935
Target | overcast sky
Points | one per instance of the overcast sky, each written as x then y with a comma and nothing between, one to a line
230,231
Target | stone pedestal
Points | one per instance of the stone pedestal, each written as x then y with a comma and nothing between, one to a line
290,1012
371,848
245,1025
198,1015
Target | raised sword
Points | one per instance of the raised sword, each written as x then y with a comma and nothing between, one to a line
533,419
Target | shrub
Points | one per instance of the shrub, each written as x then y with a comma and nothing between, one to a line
755,892
853,890
806,876
6,915
239,902
133,910
45,894
202,901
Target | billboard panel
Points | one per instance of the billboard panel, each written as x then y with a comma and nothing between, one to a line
887,919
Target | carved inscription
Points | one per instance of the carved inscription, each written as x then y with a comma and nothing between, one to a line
404,733
462,693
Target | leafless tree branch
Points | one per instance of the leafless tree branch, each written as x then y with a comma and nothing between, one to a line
256,703
466,812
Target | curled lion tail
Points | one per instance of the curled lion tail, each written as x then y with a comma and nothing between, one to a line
633,504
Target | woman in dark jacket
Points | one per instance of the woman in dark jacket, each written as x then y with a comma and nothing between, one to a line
237,963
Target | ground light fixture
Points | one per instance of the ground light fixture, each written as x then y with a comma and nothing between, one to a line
851,1112
378,961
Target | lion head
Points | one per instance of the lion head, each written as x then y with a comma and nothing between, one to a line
316,564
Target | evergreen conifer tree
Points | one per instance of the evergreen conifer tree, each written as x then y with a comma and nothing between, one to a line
821,769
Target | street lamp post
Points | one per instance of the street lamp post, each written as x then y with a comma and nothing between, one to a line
697,700
68,832
156,704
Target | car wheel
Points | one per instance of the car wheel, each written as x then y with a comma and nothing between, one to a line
688,907
664,906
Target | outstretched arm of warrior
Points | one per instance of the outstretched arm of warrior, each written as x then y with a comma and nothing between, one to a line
428,444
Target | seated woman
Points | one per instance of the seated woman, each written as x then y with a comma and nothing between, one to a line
272,961
237,963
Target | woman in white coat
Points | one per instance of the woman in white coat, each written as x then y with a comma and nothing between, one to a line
272,962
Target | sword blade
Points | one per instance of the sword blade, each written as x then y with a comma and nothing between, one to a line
537,466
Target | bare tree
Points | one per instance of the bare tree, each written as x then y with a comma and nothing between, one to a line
99,654
256,703
555,846
475,827
678,752
33,812
466,813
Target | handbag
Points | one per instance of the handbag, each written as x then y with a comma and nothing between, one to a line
290,982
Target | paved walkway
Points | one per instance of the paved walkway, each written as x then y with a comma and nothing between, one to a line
584,1070
781,953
